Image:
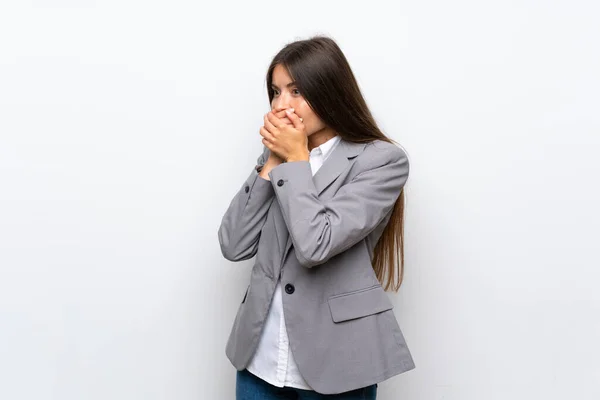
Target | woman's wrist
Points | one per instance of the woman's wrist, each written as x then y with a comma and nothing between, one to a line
271,163
301,156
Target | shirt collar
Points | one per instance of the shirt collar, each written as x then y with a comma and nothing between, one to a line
326,148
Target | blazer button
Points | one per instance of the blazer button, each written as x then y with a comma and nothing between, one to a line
247,189
280,182
289,288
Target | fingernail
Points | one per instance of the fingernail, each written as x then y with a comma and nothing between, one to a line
289,110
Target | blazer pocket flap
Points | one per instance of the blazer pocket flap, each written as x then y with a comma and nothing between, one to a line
359,303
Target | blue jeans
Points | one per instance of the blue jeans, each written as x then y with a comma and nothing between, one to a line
250,387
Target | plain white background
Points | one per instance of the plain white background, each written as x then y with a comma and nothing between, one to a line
127,126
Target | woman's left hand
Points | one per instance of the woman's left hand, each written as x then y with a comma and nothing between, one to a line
288,141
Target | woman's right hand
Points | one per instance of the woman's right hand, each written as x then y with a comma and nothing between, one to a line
274,159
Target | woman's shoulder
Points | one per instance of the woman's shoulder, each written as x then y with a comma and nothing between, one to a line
381,152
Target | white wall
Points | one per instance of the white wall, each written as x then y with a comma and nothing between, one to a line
126,127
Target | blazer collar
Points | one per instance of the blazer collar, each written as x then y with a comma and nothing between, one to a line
336,163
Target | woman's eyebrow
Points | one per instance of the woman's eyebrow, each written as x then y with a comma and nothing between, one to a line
293,83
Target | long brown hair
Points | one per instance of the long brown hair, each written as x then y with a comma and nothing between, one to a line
325,80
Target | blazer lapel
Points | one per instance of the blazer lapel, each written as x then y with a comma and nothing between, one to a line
336,163
333,166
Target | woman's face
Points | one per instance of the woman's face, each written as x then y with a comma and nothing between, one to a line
289,97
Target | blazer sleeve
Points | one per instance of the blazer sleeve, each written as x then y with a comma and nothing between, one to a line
320,229
246,215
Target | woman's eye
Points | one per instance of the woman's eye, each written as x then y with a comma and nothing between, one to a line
296,91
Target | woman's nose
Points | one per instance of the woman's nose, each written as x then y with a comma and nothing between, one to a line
279,109
281,103
279,106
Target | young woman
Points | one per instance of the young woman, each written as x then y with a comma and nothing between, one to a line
322,210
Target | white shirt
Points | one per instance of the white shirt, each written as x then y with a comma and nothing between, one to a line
273,360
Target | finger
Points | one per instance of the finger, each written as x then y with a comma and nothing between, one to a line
294,118
282,115
270,127
276,121
266,134
270,146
